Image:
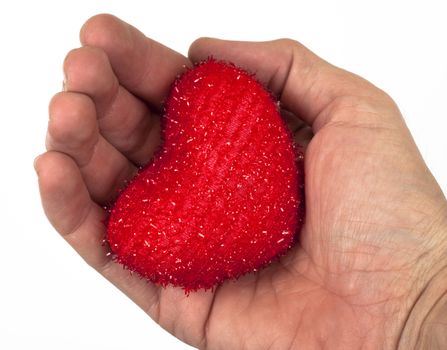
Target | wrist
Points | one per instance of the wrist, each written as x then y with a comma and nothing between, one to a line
433,332
426,325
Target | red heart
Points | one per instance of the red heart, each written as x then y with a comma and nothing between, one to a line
223,195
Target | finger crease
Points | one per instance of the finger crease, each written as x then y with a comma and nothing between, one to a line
284,81
76,227
93,150
144,136
112,102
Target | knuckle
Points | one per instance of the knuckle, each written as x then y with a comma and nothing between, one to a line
87,56
87,68
291,45
71,118
94,24
69,57
287,42
387,100
55,100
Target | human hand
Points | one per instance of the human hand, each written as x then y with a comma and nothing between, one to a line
369,267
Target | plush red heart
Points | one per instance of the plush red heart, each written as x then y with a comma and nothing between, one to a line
223,195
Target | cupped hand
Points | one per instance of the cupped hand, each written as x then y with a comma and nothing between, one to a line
375,234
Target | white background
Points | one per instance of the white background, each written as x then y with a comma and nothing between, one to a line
49,298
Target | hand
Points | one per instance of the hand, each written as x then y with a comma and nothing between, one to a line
373,248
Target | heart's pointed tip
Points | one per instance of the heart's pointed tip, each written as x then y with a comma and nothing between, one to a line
191,285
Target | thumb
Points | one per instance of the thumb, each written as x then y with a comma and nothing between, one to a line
307,85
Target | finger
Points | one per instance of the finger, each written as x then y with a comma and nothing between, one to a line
68,206
124,120
307,85
72,129
80,221
145,67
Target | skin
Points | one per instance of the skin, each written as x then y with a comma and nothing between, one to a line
373,248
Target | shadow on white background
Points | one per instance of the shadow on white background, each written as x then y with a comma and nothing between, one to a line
49,298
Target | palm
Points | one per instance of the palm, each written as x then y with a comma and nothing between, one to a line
328,276
348,235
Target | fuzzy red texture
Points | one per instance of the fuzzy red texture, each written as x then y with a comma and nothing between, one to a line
222,196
